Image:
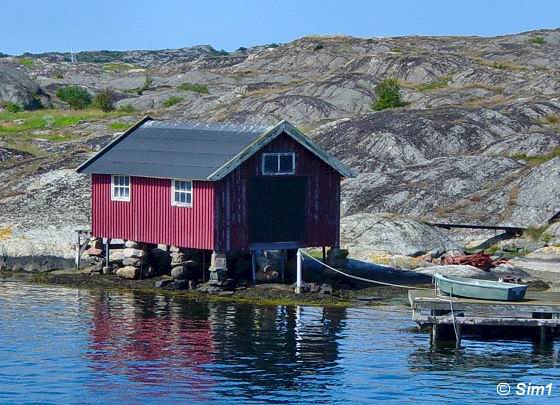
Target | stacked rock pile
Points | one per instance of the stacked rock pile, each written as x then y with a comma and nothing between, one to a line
96,253
182,268
135,262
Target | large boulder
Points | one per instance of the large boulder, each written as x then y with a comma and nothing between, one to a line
552,234
181,273
16,87
366,235
458,270
128,272
542,263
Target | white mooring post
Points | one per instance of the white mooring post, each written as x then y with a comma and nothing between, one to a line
299,281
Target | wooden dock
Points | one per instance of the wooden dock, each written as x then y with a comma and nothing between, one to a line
449,316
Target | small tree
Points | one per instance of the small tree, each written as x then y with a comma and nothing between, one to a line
104,100
388,95
76,96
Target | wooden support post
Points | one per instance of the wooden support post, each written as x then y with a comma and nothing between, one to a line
254,265
107,251
299,281
78,251
324,254
203,266
282,264
543,336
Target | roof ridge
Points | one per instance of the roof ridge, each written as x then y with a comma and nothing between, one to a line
208,126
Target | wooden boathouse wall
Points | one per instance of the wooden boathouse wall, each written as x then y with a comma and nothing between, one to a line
322,205
149,216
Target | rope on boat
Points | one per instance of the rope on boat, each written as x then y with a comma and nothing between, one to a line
361,278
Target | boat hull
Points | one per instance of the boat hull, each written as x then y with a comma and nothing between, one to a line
480,289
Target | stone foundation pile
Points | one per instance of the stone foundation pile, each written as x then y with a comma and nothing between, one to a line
269,266
135,262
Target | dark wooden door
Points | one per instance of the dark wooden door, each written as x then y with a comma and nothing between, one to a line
277,209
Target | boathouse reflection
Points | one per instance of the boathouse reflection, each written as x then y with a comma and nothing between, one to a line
270,346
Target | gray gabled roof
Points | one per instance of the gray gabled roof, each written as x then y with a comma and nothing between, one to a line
191,150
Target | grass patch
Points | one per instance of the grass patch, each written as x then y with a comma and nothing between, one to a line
439,83
171,101
26,62
492,250
118,67
197,88
551,119
11,123
488,87
5,233
538,40
537,160
535,232
126,109
501,64
119,125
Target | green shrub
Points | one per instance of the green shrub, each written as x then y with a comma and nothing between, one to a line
104,100
146,86
197,88
318,47
172,101
222,52
76,96
538,40
126,108
388,95
12,107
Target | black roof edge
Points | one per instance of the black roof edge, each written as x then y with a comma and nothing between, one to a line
84,165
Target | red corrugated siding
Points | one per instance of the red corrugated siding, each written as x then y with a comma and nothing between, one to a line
149,217
323,198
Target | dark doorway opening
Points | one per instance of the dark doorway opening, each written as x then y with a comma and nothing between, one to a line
277,209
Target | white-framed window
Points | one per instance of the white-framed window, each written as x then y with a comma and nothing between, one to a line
279,163
181,193
120,188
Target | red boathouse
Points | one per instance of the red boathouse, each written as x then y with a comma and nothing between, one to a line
219,187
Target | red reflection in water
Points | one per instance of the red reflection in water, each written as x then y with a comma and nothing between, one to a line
151,349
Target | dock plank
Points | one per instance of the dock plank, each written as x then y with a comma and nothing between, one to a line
489,321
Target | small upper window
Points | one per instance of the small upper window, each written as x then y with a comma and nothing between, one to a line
181,193
278,163
120,188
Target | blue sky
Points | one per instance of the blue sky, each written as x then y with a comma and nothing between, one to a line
61,25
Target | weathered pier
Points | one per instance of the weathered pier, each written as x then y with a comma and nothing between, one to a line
448,316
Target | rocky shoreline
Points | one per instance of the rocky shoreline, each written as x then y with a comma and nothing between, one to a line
260,294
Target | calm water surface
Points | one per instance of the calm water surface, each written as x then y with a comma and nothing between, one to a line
61,345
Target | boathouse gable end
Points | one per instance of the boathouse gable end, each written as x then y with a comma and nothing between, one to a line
259,210
218,187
